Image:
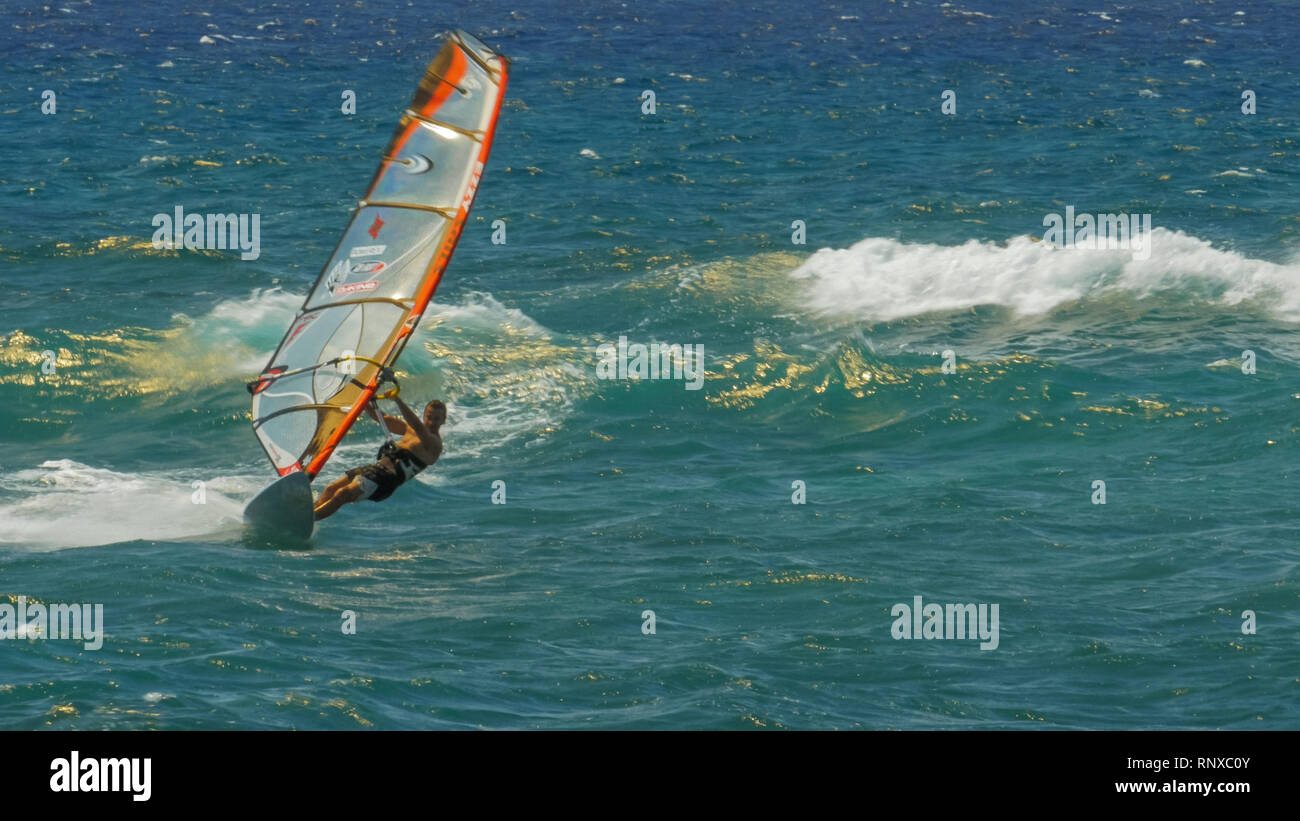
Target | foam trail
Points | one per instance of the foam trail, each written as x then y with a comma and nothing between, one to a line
883,279
65,504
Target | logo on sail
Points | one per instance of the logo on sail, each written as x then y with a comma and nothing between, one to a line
415,163
297,329
338,274
343,269
355,287
473,186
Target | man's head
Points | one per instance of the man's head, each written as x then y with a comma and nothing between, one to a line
435,414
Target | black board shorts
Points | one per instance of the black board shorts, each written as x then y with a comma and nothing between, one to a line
384,476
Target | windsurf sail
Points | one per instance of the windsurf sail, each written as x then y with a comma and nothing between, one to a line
370,295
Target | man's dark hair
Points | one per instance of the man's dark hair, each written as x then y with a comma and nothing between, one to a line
432,410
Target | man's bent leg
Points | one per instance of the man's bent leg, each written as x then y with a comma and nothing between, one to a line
351,492
331,489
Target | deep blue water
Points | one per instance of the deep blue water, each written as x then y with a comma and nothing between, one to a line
823,366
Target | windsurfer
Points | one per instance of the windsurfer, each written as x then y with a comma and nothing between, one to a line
420,446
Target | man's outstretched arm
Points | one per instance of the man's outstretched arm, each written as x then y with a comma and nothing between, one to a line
393,424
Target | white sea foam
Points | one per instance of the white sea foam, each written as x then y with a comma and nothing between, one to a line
259,306
883,279
480,311
64,504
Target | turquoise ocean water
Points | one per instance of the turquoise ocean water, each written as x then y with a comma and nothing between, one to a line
823,366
